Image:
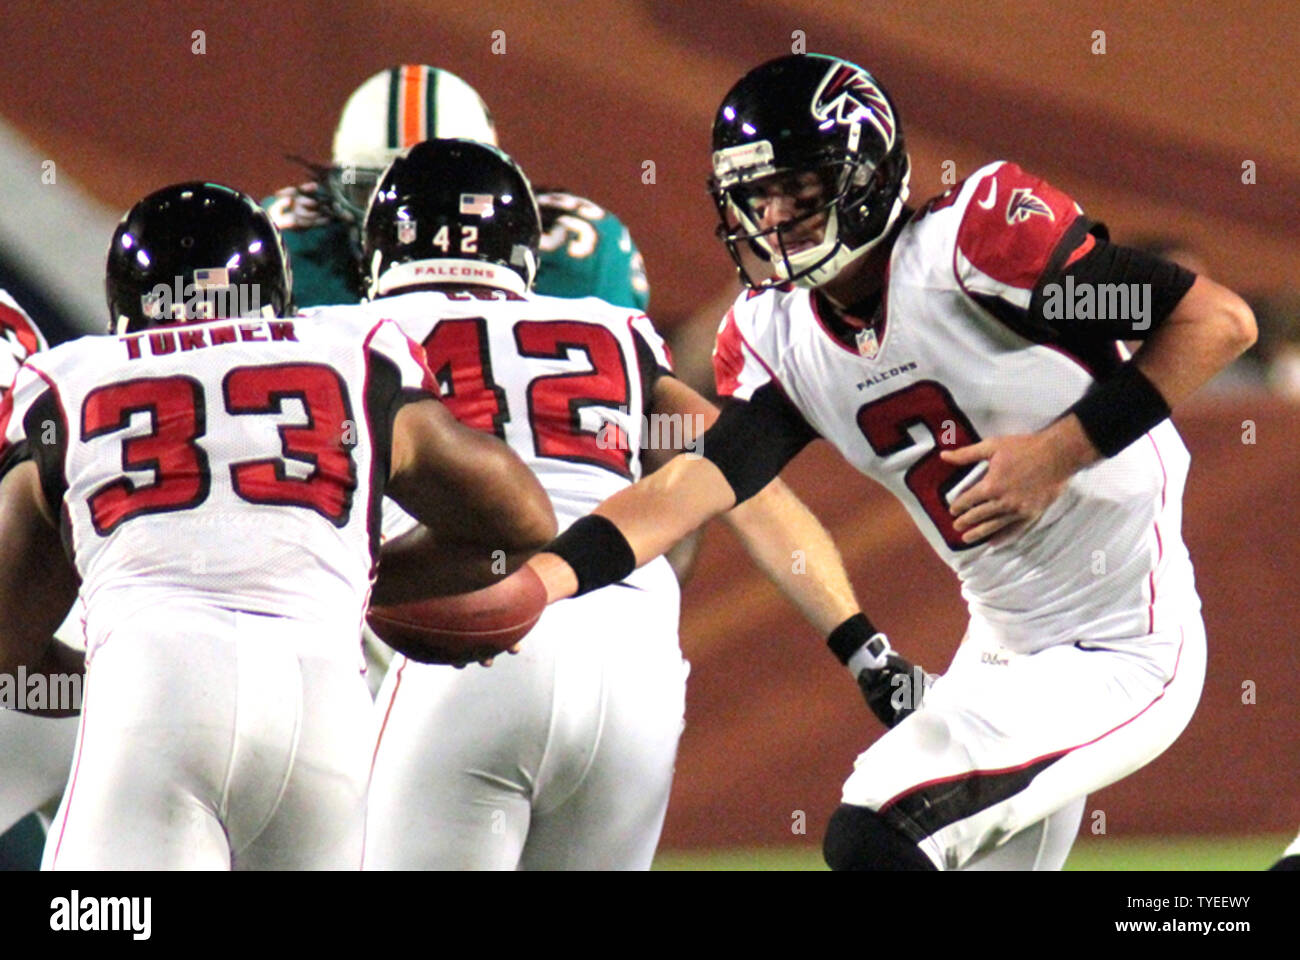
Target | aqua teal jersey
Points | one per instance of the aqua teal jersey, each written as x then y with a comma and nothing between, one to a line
320,255
585,252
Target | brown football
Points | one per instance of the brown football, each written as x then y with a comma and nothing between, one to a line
463,627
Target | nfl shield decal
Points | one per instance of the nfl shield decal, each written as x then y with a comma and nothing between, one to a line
868,343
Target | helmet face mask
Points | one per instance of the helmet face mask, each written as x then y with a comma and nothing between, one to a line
195,252
817,137
447,212
803,232
349,190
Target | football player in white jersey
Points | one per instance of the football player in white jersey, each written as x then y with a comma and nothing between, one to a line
560,757
958,355
216,474
35,750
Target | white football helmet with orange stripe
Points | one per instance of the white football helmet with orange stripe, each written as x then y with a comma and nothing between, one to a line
391,111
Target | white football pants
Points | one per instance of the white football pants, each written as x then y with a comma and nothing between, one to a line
558,758
212,739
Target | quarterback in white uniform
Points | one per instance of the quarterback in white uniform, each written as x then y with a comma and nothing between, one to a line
934,350
217,483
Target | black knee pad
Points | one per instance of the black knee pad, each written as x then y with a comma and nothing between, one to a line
858,838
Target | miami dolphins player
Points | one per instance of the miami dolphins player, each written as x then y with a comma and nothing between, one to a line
586,251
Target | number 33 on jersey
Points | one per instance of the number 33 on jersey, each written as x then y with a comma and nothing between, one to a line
156,449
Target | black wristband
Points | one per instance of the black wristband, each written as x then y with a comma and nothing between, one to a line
596,550
848,638
1120,409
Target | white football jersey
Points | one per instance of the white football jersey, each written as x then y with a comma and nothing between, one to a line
19,339
238,462
1107,558
562,381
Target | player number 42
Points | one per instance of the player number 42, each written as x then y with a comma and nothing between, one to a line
468,239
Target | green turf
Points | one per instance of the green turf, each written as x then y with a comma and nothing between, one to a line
1090,853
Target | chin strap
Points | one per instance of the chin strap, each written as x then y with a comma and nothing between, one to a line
844,257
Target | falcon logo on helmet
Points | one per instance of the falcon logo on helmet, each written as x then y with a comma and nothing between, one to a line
809,169
853,96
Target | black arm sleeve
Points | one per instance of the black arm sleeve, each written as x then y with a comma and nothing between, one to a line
1132,293
751,442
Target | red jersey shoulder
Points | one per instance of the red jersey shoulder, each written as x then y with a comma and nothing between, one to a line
17,326
1012,223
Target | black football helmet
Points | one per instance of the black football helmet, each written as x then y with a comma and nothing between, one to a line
821,126
195,252
451,211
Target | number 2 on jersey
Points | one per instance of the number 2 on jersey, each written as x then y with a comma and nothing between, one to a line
885,424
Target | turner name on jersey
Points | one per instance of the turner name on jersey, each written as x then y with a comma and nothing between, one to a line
200,459
950,364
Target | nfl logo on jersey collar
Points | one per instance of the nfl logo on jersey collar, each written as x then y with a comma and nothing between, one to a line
868,343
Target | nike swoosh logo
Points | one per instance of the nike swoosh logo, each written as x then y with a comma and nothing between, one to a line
1079,644
987,202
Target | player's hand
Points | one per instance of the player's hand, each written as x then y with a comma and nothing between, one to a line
297,208
1026,473
895,690
488,661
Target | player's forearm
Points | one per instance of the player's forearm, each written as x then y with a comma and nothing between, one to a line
37,583
464,485
510,509
657,512
1210,327
789,544
648,518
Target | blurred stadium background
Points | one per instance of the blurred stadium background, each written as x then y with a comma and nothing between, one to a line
107,100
